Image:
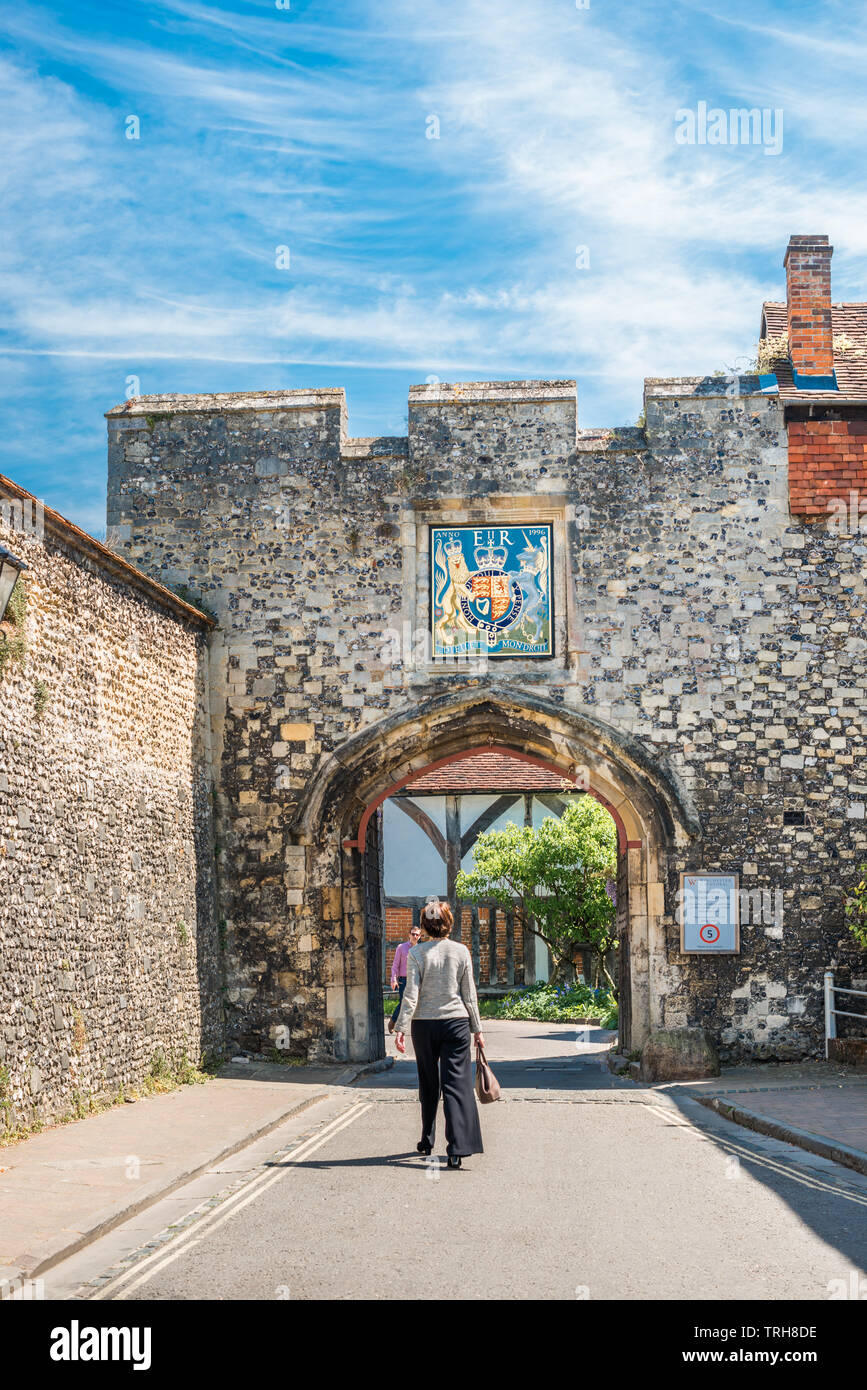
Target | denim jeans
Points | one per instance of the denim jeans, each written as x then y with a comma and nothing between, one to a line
401,986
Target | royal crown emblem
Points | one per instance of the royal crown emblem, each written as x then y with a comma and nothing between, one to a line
491,557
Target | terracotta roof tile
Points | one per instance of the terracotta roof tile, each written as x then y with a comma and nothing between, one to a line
487,772
851,367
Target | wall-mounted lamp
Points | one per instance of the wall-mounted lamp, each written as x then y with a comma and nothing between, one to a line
10,568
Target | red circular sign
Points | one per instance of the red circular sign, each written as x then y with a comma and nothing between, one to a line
709,933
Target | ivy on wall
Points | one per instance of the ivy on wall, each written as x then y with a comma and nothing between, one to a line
13,650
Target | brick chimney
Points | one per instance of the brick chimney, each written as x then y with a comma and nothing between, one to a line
808,311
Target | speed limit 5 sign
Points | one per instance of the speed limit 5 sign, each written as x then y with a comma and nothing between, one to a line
710,913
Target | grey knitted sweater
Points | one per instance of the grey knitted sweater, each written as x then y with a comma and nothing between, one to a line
439,984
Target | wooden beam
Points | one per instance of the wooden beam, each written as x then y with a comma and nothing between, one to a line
423,821
452,844
486,820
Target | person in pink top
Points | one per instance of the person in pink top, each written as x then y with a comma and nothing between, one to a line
398,970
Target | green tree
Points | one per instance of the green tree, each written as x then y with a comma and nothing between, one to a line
856,909
555,879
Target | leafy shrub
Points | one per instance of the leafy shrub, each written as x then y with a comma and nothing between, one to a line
558,878
14,649
856,909
558,1005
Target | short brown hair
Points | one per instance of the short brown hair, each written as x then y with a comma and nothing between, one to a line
437,919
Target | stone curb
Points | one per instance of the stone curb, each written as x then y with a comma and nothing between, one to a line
365,1069
37,1264
790,1134
40,1263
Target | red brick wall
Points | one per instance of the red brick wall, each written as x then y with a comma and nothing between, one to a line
398,921
827,461
484,979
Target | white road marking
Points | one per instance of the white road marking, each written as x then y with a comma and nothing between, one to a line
145,1269
679,1121
775,1165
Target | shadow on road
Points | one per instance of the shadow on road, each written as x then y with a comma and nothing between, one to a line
565,1060
558,1073
409,1159
828,1198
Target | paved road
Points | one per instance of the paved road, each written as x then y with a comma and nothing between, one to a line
529,1057
588,1188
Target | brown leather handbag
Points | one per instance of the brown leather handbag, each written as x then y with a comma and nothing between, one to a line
487,1085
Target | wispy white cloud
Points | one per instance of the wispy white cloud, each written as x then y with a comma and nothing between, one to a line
834,32
451,255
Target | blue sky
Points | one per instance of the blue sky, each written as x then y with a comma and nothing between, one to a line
409,257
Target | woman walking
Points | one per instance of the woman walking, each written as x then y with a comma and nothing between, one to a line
440,1002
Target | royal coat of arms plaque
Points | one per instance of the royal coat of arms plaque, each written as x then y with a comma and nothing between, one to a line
491,591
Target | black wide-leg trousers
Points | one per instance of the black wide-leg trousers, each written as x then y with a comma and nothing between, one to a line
442,1054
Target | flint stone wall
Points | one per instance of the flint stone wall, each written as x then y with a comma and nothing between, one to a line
109,951
699,617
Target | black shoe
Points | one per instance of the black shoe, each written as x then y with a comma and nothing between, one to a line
454,1160
422,1148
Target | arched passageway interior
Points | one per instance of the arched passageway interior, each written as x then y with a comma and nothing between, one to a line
430,829
340,822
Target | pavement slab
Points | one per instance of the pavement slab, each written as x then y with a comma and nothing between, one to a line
837,1113
68,1185
820,1106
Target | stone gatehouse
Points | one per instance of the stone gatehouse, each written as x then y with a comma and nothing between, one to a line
670,616
705,674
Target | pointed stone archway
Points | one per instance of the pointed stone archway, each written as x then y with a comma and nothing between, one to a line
653,812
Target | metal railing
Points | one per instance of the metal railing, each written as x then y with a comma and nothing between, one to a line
831,1013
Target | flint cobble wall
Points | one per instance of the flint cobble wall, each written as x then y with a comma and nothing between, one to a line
730,638
697,616
109,950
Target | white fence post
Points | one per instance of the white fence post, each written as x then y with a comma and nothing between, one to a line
830,1023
